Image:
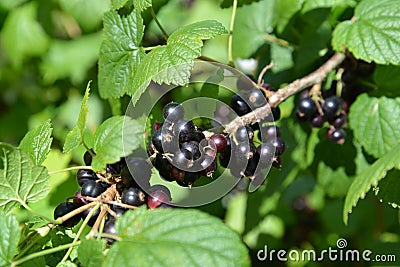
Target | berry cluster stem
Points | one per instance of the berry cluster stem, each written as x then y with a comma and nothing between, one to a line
282,94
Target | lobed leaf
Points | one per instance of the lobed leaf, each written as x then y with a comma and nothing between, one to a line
116,137
142,4
192,237
120,53
21,181
172,63
370,177
90,252
37,142
376,123
388,188
75,136
116,4
373,33
9,232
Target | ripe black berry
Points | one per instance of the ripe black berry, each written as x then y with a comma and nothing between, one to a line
256,98
276,113
92,189
109,227
317,121
337,136
239,105
92,219
87,157
189,179
244,133
173,112
64,208
163,166
244,151
182,159
340,121
279,145
185,129
307,108
266,153
137,172
158,194
82,176
220,142
209,165
193,148
133,196
332,107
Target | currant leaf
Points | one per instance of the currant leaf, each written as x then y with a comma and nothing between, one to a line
373,33
171,64
120,53
195,238
21,181
37,142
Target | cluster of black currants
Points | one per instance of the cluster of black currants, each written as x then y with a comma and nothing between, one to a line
317,111
332,105
180,150
126,184
270,145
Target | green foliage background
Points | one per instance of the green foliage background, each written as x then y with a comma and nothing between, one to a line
49,50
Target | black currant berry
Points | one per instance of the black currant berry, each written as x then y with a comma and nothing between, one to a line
182,159
256,98
173,112
340,121
189,179
239,105
133,196
220,142
307,108
176,173
252,165
276,113
244,133
317,121
92,219
109,228
158,194
64,208
193,148
82,176
198,136
266,153
137,172
332,107
225,157
244,151
78,199
87,157
157,141
209,165
185,129
92,189
337,136
279,145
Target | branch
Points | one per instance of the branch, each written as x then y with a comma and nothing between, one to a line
282,94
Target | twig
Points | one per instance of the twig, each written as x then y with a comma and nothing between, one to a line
282,94
153,14
230,38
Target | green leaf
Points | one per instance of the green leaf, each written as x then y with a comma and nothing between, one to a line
21,181
370,177
22,35
334,182
171,64
90,252
373,33
142,4
229,3
387,78
109,141
315,4
193,237
389,188
120,53
71,59
252,24
9,232
284,11
79,10
116,4
376,123
37,142
75,136
67,264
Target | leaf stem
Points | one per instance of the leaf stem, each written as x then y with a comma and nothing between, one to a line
149,48
153,14
45,252
78,234
71,169
230,38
